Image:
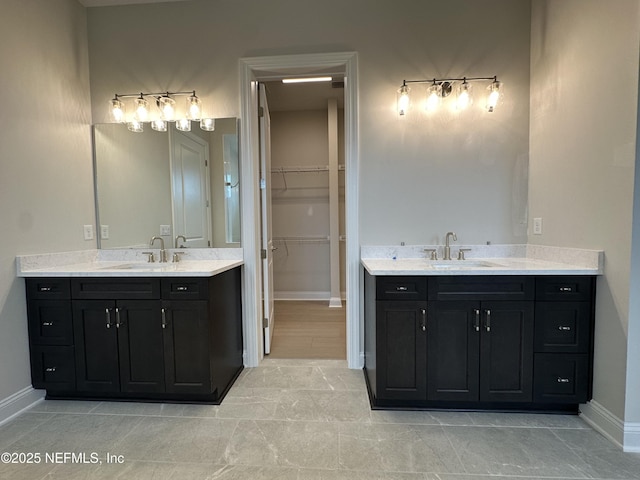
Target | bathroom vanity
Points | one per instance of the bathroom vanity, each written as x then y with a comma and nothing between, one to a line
135,331
504,334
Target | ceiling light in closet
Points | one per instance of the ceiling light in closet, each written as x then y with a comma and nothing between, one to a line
306,79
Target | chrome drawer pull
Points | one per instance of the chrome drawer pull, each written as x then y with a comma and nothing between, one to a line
50,369
108,315
564,328
401,289
182,288
45,289
164,318
566,289
487,325
563,380
47,324
423,324
476,323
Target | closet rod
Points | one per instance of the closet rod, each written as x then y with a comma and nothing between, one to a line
311,169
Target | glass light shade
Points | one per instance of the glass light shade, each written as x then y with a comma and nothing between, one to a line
434,96
183,124
135,126
464,97
495,91
194,107
117,110
208,124
403,100
159,125
142,109
167,107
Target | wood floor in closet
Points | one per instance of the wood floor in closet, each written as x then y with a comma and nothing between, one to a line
309,329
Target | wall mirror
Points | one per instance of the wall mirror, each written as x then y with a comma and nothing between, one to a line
169,184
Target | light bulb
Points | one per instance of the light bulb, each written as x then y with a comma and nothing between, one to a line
117,110
494,95
183,124
142,109
434,95
403,100
464,96
208,124
167,107
194,107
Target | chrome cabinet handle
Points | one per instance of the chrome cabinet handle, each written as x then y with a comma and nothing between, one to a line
423,323
182,288
563,380
118,322
164,318
564,328
566,289
45,289
487,325
47,324
476,323
401,289
50,369
108,315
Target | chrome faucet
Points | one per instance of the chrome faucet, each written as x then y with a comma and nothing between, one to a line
447,248
163,252
184,239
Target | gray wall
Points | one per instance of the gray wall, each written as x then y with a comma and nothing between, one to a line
582,160
46,178
420,177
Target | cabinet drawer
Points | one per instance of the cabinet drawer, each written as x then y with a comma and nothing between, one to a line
185,288
53,368
574,288
50,322
560,378
401,288
562,327
121,288
48,288
499,287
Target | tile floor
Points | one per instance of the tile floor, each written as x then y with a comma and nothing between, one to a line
304,419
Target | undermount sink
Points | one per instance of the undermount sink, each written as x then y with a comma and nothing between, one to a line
138,266
457,264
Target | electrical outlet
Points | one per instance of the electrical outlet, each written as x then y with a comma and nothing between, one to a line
88,232
537,226
165,230
104,232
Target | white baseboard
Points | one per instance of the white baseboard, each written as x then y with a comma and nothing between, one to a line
312,296
624,435
18,402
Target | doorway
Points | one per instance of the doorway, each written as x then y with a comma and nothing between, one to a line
261,68
305,215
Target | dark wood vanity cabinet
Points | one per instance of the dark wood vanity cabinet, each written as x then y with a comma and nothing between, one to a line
485,342
170,338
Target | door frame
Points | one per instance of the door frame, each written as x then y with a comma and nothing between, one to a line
251,69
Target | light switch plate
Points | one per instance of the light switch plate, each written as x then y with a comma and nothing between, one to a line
165,230
88,232
537,226
104,232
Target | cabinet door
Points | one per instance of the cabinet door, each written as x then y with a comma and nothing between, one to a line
506,352
187,337
96,340
453,340
401,346
140,346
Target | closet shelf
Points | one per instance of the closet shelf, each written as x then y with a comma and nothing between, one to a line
304,169
286,241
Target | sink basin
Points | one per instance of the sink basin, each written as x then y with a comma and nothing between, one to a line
137,266
458,264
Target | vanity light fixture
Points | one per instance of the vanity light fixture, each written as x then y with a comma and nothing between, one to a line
159,109
440,88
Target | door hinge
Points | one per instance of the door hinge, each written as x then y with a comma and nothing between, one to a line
260,112
263,253
265,322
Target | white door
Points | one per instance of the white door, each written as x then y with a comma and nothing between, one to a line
265,200
190,189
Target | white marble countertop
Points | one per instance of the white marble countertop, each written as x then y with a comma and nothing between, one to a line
488,260
127,263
